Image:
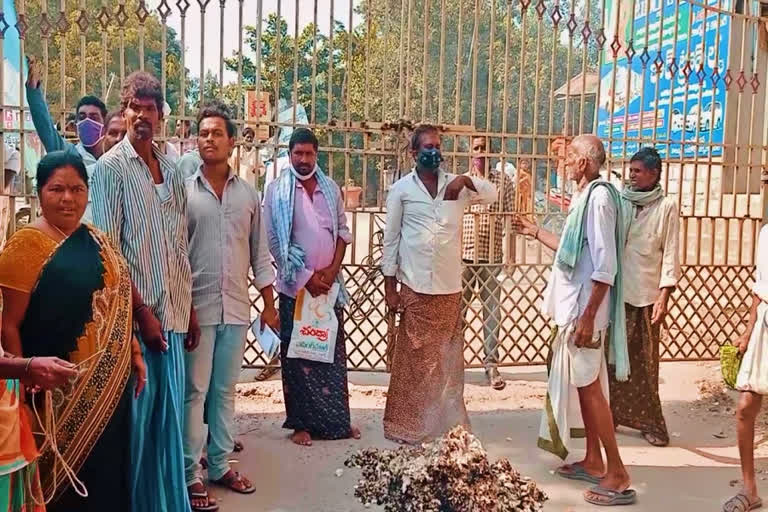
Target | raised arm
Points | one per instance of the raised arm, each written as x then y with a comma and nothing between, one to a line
38,109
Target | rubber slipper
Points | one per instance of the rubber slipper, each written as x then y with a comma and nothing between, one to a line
238,447
654,440
577,472
741,503
228,482
211,507
614,498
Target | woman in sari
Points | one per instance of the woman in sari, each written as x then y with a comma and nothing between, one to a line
67,294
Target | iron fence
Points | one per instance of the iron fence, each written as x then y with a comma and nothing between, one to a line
687,77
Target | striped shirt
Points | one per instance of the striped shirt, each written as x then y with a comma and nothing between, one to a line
150,232
226,237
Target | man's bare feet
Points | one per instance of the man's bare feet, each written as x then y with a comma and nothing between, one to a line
354,432
302,438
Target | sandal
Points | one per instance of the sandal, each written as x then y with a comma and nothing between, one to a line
577,472
238,447
598,495
742,503
234,481
655,440
210,507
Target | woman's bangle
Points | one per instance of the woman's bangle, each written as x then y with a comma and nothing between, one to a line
29,362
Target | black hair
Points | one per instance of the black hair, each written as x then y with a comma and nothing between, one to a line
54,161
650,159
419,131
303,136
94,101
141,84
248,129
216,110
110,116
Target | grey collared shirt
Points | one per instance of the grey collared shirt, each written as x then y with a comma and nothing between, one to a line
226,237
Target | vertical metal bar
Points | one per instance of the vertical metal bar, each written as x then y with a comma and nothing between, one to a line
475,45
584,45
401,54
46,37
163,64
385,75
83,15
295,98
424,67
491,41
141,14
442,62
408,62
221,42
63,62
459,51
183,68
331,64
314,64
203,4
121,24
240,92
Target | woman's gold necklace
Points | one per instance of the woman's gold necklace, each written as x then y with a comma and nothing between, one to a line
64,235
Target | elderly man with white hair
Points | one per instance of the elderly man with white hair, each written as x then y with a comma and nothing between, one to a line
583,297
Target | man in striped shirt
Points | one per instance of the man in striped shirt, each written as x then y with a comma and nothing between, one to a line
226,238
140,201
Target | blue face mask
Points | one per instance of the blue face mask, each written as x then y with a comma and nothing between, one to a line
430,158
89,132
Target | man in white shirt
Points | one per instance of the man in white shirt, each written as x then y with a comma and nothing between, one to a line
581,298
422,250
653,257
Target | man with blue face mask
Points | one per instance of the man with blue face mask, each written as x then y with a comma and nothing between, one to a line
422,250
90,115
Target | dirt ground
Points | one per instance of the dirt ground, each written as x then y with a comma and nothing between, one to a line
696,472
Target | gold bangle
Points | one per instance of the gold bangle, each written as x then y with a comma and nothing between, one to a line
29,362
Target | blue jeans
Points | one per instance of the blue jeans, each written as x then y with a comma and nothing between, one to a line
212,370
485,277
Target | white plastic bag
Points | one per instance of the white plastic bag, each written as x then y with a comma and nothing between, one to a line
315,326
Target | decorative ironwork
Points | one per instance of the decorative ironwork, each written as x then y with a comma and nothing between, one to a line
22,25
45,25
104,18
82,21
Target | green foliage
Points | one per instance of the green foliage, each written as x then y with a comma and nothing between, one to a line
65,51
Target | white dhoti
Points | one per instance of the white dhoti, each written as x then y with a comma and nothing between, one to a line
753,373
571,368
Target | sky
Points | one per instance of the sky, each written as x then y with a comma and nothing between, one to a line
288,9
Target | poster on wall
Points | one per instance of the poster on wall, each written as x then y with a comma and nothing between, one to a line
258,113
677,103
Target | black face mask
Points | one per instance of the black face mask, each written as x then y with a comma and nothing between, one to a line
430,158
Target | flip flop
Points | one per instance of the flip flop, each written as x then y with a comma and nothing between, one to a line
741,503
615,498
655,440
238,446
577,472
228,482
211,507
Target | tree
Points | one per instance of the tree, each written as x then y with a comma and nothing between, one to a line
111,26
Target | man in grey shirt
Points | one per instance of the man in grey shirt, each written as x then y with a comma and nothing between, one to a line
226,238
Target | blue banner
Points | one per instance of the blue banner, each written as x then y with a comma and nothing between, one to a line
685,98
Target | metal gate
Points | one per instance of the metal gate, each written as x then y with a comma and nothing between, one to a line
686,76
